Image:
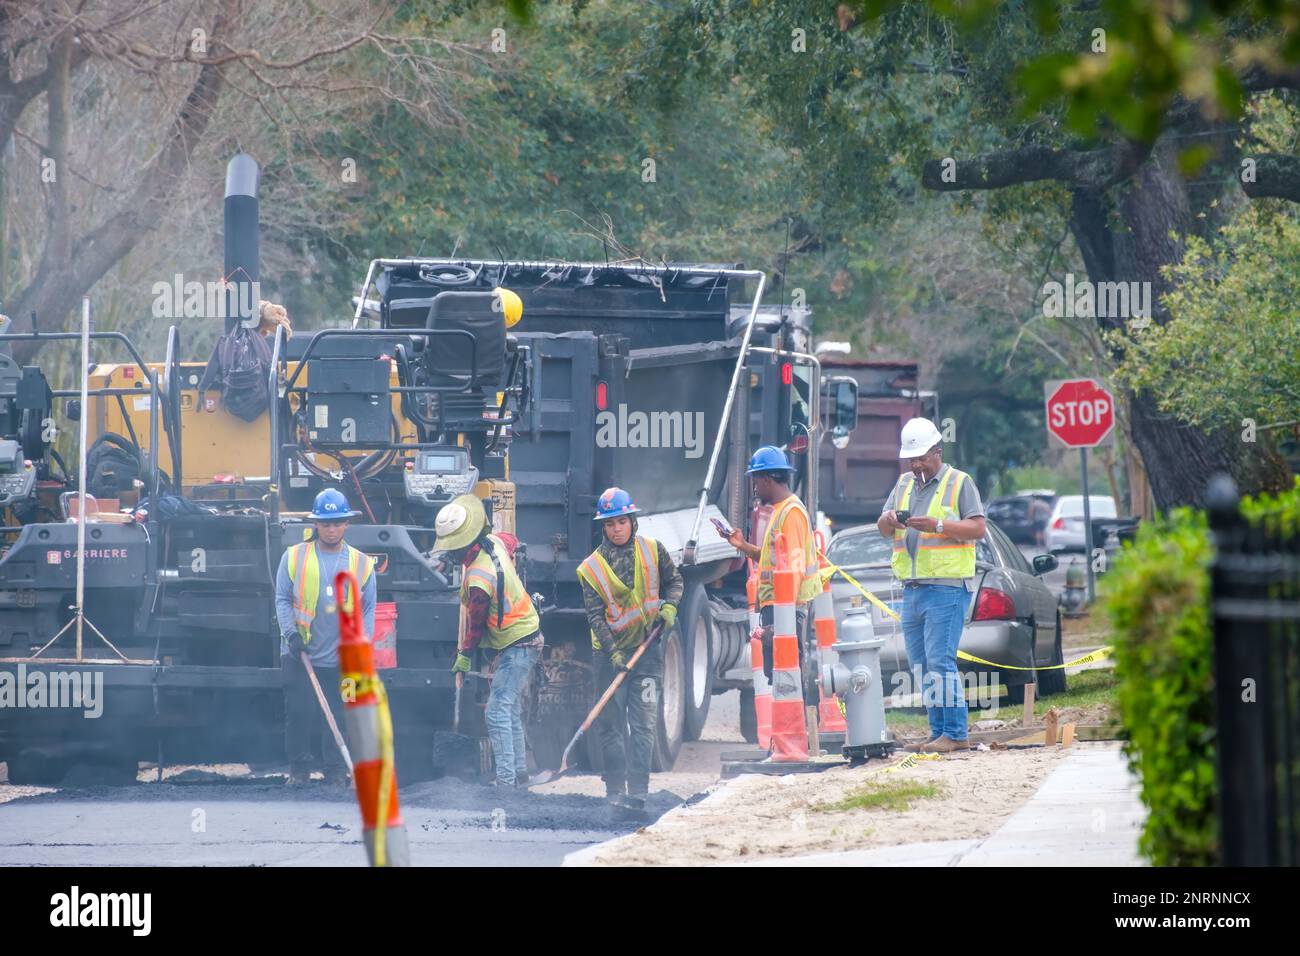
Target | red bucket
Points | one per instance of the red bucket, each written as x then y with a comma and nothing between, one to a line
385,642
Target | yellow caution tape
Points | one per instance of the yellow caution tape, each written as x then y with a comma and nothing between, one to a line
1100,653
911,760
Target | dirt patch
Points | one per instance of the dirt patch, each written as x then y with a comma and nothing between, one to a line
765,817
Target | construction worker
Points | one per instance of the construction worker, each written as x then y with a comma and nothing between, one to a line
934,557
500,616
787,542
628,583
307,610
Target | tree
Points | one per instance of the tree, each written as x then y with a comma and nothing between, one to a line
1127,137
159,84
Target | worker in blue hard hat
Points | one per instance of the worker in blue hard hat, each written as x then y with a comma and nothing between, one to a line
787,541
629,583
306,608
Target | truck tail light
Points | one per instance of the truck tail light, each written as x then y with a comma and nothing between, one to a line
994,605
787,373
602,396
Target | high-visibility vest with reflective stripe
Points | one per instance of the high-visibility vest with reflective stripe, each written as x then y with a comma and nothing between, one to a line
511,617
810,582
937,555
628,611
304,573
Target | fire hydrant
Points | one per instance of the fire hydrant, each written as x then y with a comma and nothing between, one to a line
1074,599
853,673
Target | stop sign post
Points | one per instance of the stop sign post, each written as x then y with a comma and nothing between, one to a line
1080,414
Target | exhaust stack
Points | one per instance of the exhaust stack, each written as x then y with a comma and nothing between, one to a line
242,265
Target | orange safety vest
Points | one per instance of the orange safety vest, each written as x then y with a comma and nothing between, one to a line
809,579
304,574
628,610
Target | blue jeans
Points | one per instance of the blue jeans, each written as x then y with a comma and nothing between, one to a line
505,711
933,615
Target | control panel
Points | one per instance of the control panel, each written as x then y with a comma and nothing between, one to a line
436,475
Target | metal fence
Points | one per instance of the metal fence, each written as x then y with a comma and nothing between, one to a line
1255,606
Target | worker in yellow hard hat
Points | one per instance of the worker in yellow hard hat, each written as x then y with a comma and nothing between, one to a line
499,616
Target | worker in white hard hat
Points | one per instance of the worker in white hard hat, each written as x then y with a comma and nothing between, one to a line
499,616
934,516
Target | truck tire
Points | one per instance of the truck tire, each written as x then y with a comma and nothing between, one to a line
748,716
696,624
672,704
1053,681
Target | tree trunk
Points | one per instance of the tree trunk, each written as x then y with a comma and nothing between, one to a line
1127,234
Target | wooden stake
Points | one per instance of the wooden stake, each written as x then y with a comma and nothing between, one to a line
814,738
1049,723
1067,734
1027,720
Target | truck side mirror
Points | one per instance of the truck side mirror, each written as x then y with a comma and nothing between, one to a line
846,407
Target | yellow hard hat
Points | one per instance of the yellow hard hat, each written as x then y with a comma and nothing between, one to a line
512,307
459,523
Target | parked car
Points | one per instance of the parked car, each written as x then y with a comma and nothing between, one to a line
1012,619
1023,517
1065,529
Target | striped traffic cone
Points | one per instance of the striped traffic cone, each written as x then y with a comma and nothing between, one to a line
828,710
789,733
370,734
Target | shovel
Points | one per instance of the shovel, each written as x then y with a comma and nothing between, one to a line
453,750
325,709
546,776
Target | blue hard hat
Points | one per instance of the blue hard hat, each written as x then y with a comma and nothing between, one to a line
769,458
614,502
331,505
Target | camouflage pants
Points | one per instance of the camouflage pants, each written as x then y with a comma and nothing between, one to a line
627,725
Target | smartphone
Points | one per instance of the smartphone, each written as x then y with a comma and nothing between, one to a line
902,516
722,528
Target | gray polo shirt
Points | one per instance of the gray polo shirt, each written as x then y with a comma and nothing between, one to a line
968,506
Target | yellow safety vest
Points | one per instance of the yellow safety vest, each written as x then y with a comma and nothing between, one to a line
304,573
628,611
512,620
809,580
937,555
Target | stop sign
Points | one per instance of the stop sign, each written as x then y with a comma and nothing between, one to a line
1080,413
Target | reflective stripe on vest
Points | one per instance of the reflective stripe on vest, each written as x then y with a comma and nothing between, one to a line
937,555
515,611
628,611
304,574
810,582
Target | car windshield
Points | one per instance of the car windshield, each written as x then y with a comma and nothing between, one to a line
867,547
1102,506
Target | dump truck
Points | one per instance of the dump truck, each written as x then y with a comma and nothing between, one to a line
157,585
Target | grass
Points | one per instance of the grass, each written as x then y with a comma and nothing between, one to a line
1086,689
882,795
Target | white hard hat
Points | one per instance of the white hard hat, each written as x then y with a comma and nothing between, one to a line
919,436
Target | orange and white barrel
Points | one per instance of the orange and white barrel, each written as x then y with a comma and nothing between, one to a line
789,733
829,717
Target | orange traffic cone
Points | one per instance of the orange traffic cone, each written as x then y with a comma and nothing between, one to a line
789,733
370,734
828,710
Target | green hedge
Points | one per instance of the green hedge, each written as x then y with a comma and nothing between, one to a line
1157,598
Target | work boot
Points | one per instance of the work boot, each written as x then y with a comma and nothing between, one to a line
634,802
298,778
614,791
921,747
521,779
946,745
337,777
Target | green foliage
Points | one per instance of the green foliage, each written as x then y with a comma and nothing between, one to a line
1157,598
882,795
1230,354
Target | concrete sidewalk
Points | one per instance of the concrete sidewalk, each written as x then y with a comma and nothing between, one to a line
1087,813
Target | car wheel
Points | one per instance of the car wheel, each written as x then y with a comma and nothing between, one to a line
1053,681
696,624
748,716
672,704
